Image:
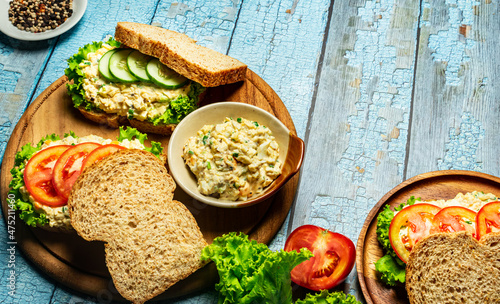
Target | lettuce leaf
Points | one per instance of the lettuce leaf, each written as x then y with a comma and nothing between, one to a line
391,271
250,272
26,210
75,73
131,133
325,297
391,268
180,107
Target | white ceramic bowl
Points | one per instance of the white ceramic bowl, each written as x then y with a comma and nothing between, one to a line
6,27
291,149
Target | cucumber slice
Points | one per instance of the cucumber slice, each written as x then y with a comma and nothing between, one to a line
118,66
164,77
104,66
136,63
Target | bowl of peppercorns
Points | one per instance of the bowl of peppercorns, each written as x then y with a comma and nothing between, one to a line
34,20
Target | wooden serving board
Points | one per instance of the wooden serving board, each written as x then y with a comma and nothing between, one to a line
80,265
428,186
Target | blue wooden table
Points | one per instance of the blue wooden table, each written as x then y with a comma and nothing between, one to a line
380,90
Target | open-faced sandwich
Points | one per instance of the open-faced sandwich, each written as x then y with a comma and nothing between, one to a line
469,220
44,174
146,76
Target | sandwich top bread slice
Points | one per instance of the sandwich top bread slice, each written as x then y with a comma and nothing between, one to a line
152,241
448,268
149,77
181,53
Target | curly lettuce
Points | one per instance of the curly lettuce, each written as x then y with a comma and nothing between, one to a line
391,268
131,133
250,272
325,297
74,72
181,106
27,211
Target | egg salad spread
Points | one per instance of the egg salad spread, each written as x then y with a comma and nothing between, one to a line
474,200
139,100
234,160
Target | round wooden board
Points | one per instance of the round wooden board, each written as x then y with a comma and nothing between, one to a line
428,186
80,265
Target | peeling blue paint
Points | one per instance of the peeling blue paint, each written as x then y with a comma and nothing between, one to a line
384,87
461,150
446,47
8,80
344,216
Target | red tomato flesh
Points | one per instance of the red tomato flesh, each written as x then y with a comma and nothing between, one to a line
38,176
488,219
454,219
69,166
333,260
409,226
99,154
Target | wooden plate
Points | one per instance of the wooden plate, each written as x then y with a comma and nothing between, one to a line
80,265
428,186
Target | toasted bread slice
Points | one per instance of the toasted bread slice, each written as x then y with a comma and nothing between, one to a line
126,201
454,268
115,121
181,53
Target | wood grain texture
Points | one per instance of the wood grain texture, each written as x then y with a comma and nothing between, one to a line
79,264
18,81
455,115
358,128
444,184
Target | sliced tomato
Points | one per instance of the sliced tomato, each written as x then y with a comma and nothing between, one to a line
488,219
69,166
409,226
100,153
454,219
333,260
38,176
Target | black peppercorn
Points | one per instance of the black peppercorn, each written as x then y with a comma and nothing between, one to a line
37,16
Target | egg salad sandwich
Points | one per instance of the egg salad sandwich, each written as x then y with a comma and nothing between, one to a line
43,174
146,76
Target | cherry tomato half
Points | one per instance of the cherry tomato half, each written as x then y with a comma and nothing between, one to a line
69,166
488,219
409,226
38,176
454,219
333,260
99,154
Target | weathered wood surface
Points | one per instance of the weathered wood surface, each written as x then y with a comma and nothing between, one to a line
381,90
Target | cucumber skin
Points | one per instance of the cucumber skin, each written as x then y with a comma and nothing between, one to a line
132,78
108,77
140,77
161,84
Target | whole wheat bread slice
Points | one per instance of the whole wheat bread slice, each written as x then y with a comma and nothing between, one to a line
454,268
152,241
181,53
115,121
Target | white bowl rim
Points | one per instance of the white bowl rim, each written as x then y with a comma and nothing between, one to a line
196,195
6,27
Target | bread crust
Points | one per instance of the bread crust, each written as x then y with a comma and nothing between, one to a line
115,121
181,53
454,268
152,241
